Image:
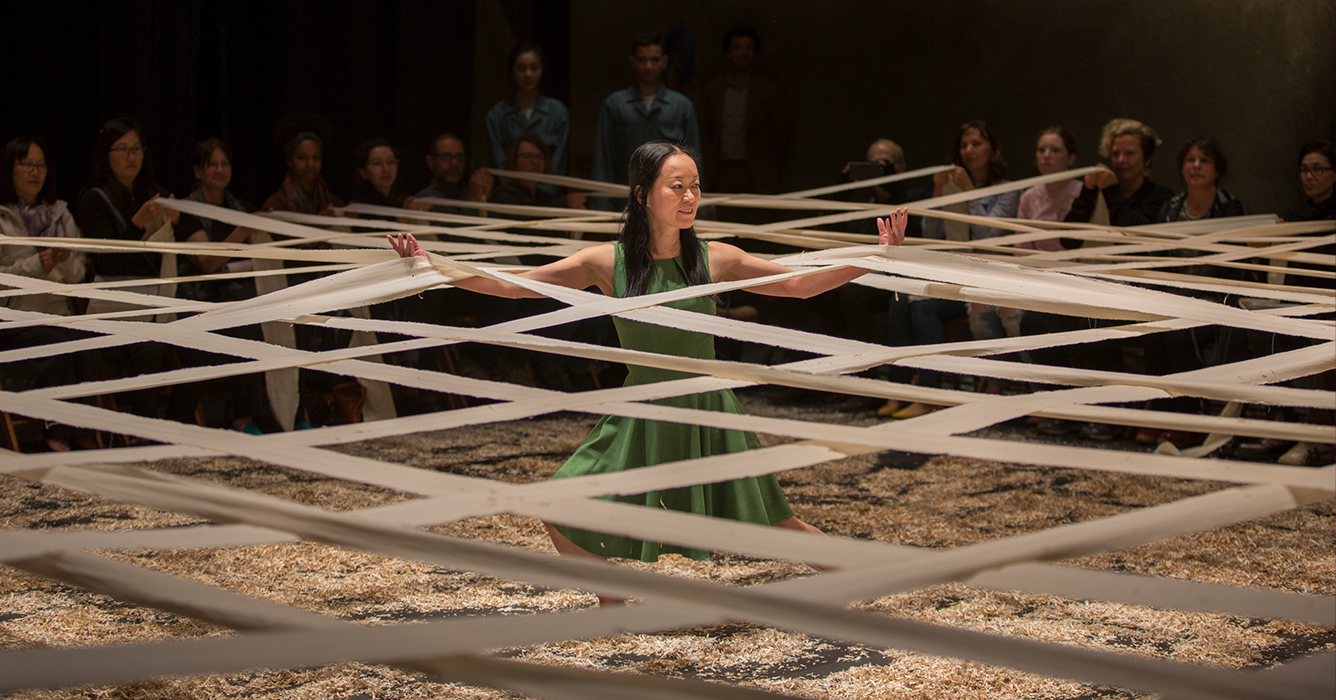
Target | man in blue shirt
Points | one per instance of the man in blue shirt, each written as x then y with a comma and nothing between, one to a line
646,111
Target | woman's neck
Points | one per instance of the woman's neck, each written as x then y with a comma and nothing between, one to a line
1199,199
384,191
128,185
1056,188
526,98
212,195
28,200
980,176
1131,185
665,242
1322,196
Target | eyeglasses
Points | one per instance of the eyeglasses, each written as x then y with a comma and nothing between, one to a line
529,156
384,163
1314,171
32,167
135,150
447,158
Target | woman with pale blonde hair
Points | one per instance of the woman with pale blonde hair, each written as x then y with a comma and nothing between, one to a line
1132,198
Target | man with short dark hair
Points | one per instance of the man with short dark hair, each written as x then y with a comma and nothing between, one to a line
646,111
745,121
448,161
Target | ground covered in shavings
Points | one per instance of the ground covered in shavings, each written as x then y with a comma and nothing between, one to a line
947,502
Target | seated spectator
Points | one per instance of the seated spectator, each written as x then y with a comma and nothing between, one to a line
528,111
378,169
211,163
891,157
303,190
1318,180
120,202
977,154
1054,153
29,209
1131,197
447,161
528,154
1202,164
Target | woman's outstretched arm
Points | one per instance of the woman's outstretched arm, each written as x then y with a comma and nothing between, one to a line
729,263
590,267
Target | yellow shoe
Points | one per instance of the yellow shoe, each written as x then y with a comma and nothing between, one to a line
913,410
889,408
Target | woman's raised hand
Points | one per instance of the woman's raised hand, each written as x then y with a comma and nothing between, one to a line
892,229
406,246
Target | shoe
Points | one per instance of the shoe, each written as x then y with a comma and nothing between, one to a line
250,428
301,424
1296,456
1179,438
1102,432
1150,436
1055,426
889,408
913,410
1264,449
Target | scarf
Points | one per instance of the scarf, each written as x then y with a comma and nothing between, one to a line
38,219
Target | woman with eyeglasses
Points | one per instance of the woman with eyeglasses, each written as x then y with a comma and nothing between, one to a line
528,111
303,190
29,209
1318,180
528,154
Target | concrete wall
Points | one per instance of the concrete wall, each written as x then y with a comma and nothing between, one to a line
1258,75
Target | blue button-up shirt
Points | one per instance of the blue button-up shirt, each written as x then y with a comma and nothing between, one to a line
550,121
624,124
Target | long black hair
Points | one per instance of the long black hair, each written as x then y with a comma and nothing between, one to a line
15,151
145,184
646,163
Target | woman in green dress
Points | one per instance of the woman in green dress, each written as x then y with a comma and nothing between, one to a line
656,252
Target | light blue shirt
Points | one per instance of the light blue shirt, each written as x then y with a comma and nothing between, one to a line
550,121
624,124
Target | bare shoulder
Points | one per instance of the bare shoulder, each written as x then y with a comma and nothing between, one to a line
724,252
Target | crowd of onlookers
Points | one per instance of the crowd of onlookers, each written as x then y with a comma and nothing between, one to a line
740,131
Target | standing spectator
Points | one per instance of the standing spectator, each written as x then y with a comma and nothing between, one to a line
977,154
1318,180
378,169
644,112
529,111
745,122
211,164
1202,164
1132,199
29,209
1054,153
303,189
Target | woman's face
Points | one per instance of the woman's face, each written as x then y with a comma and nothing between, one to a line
126,158
1126,159
975,152
527,71
217,172
304,165
676,191
1316,175
529,158
1051,154
381,168
30,175
1199,169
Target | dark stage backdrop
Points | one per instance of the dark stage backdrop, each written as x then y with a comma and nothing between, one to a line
250,72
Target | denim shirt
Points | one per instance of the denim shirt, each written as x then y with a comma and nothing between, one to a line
550,121
624,125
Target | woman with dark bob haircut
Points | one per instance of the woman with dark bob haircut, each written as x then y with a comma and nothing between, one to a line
658,251
1202,164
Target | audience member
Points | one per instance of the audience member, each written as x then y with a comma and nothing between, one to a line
1131,197
646,111
211,164
378,169
529,111
1054,153
1318,180
447,161
745,122
1202,164
120,202
29,209
303,189
977,154
528,154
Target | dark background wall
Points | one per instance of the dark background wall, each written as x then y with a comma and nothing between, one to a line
1259,75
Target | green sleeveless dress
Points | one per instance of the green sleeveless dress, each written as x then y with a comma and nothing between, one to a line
618,443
